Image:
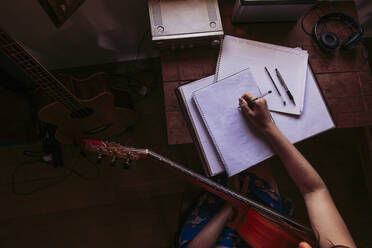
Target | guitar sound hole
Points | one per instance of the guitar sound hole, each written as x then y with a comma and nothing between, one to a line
82,113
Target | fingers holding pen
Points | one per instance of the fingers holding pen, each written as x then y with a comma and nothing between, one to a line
247,96
255,110
244,106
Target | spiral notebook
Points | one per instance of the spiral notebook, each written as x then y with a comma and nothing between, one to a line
233,137
237,54
237,144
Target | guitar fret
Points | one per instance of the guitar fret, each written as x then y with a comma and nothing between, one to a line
24,62
15,54
68,98
58,98
41,77
7,45
5,38
11,49
36,72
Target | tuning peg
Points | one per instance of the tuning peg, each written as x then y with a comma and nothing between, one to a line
113,161
99,159
126,164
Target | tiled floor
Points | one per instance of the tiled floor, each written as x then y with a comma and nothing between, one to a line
141,207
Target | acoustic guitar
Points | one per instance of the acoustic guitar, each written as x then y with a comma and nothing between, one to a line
76,119
258,225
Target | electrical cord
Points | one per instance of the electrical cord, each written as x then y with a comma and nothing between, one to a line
59,179
314,8
141,42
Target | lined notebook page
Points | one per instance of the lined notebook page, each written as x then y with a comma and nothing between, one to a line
237,54
238,143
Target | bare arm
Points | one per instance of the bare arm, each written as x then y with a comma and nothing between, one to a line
210,233
324,216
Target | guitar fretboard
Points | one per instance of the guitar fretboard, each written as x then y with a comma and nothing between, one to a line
37,73
231,196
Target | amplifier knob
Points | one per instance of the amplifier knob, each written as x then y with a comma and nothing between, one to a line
215,42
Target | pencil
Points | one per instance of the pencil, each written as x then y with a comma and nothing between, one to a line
272,80
258,97
284,86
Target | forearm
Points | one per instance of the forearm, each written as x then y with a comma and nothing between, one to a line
324,216
299,169
210,233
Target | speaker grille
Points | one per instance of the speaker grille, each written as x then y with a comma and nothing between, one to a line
211,8
156,14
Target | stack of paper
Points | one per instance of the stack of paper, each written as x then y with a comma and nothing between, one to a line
222,135
234,139
237,54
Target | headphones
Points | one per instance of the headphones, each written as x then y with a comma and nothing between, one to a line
329,41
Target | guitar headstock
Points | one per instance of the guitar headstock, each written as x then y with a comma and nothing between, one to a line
114,150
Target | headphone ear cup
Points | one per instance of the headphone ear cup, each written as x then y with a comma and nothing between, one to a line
329,41
351,42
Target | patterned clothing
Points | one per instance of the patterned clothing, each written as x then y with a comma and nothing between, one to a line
209,204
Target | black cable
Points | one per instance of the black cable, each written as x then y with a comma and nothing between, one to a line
140,43
75,172
70,171
302,23
17,192
33,153
314,8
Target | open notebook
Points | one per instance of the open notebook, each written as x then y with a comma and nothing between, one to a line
237,145
237,54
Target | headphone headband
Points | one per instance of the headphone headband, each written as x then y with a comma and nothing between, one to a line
340,17
329,41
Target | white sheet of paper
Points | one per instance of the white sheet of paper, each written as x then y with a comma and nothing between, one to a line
244,146
238,54
314,119
238,144
213,161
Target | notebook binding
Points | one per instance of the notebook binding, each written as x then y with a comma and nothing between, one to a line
219,60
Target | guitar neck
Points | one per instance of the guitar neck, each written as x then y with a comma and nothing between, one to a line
229,195
36,72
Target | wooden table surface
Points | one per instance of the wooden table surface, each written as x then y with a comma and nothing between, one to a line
344,78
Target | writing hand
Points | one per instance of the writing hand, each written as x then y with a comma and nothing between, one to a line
256,111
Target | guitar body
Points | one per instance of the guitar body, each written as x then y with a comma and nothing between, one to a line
94,117
105,121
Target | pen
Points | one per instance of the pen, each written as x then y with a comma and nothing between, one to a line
258,97
284,85
268,73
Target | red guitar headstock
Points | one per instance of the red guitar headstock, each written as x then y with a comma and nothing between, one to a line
114,150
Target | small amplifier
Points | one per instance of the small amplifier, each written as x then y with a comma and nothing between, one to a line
179,24
250,11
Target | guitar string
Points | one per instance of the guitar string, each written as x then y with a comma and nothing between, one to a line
108,149
17,54
26,64
50,90
42,79
118,151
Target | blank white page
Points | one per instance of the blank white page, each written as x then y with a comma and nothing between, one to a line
236,54
314,119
